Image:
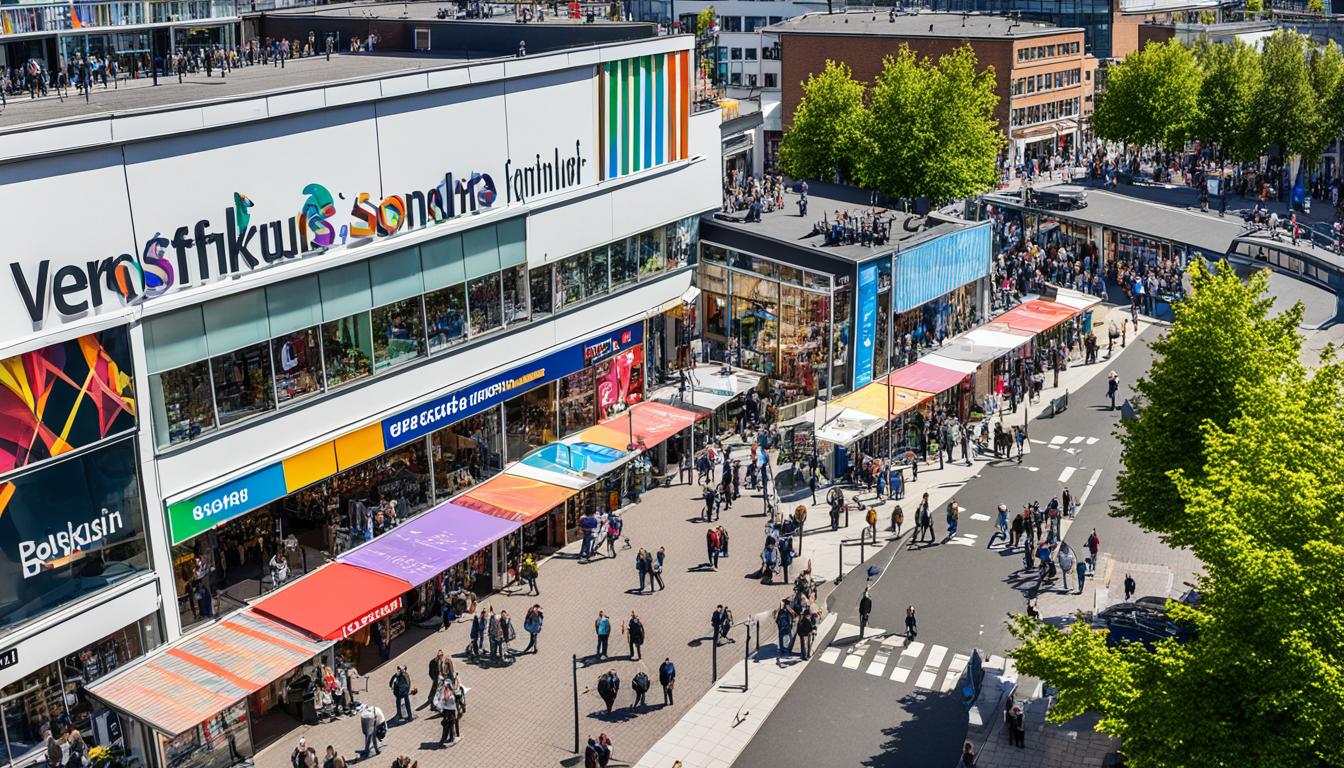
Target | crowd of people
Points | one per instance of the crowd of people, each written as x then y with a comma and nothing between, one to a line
868,227
755,195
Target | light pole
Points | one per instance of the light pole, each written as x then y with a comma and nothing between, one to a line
574,667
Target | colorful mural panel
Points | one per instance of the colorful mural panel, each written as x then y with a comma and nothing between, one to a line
644,111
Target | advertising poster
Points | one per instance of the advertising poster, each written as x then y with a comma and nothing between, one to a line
69,529
867,325
620,382
65,396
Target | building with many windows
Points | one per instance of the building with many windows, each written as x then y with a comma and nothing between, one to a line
1044,77
288,320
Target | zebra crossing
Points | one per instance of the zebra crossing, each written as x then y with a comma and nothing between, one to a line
927,666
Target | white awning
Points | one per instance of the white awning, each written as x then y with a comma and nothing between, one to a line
848,427
1076,299
998,339
950,363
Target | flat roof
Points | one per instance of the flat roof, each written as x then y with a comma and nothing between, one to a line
787,227
249,81
427,11
878,23
1164,222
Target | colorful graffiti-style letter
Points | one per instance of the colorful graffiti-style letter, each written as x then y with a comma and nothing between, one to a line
240,213
319,209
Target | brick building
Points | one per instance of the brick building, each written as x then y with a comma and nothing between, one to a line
1044,77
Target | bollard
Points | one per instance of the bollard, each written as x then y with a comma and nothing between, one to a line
714,656
746,660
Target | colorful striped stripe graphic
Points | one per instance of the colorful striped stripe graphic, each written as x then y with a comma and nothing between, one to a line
645,107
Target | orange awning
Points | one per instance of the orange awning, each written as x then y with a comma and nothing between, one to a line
513,497
1035,316
335,601
881,400
649,423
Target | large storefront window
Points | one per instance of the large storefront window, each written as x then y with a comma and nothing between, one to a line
651,259
756,322
540,283
347,349
619,382
624,262
515,295
926,326
243,383
576,402
483,299
95,495
881,363
185,401
54,695
804,321
447,313
530,421
297,360
398,334
841,339
682,241
466,453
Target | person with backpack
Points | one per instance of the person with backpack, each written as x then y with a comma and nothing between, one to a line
872,523
477,634
1093,547
373,724
712,547
602,627
806,626
640,685
897,519
532,626
529,573
608,685
656,570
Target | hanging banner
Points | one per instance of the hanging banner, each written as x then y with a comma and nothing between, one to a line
866,325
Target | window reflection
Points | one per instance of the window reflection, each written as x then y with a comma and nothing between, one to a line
530,421
484,302
347,349
515,294
466,453
447,313
576,402
624,262
297,360
399,334
651,252
540,287
243,383
187,401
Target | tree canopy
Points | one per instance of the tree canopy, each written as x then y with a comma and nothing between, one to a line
927,128
1151,97
824,136
1260,683
1286,101
1227,108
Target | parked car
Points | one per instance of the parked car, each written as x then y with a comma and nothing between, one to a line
1138,622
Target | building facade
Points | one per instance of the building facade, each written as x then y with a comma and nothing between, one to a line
1044,77
370,296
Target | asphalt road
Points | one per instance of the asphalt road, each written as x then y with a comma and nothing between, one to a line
961,590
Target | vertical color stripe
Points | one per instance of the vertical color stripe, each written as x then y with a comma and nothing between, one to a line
684,115
625,120
612,122
636,129
661,100
648,111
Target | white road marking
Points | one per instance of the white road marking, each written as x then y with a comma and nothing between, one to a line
853,660
1071,451
1058,440
1066,474
829,655
954,671
1077,440
1088,490
1033,469
906,662
878,666
1093,440
978,516
931,665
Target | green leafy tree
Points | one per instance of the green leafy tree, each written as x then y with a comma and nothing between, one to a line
1325,70
822,140
1151,97
930,129
1223,347
1254,7
1315,6
704,21
1227,109
1287,104
1259,684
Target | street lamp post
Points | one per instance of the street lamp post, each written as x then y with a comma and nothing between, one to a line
574,662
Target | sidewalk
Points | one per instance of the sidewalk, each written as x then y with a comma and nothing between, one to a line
705,723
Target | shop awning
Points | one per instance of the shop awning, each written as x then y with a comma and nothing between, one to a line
926,377
944,360
510,497
648,423
849,426
335,601
572,463
1035,316
429,544
191,680
1076,299
1005,341
880,400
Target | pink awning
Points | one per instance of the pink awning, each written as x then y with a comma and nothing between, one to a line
926,377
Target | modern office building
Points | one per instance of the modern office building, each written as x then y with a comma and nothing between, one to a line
747,59
1044,77
261,328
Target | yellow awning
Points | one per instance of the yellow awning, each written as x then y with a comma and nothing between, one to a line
877,399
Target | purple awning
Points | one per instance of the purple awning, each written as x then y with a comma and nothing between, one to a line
422,548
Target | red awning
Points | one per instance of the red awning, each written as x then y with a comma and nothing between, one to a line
1036,315
926,377
655,422
336,600
189,681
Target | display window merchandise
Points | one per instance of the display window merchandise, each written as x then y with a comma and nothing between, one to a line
233,359
69,528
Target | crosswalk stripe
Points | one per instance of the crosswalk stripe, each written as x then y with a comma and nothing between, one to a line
1076,440
878,666
954,671
853,660
890,641
978,516
1066,474
931,666
1093,440
829,655
1058,440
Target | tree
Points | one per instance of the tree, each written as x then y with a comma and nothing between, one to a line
1325,71
1227,108
1222,350
822,140
930,129
1315,6
1286,102
1254,7
704,21
1259,683
1151,97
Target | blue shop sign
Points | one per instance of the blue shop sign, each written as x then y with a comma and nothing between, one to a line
867,325
468,401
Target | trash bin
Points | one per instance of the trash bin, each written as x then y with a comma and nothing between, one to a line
309,706
295,692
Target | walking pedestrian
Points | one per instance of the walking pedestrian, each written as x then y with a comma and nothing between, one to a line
911,627
656,570
1130,587
602,626
953,517
608,685
712,547
532,626
1083,568
401,693
1066,564
642,566
806,626
897,520
716,623
1093,547
1017,729
373,724
667,678
449,730
1112,387
633,629
865,609
440,671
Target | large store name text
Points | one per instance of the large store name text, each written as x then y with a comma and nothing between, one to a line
34,555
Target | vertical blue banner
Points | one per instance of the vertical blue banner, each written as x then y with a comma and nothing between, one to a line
866,324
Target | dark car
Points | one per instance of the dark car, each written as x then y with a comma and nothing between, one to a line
1138,622
1061,197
